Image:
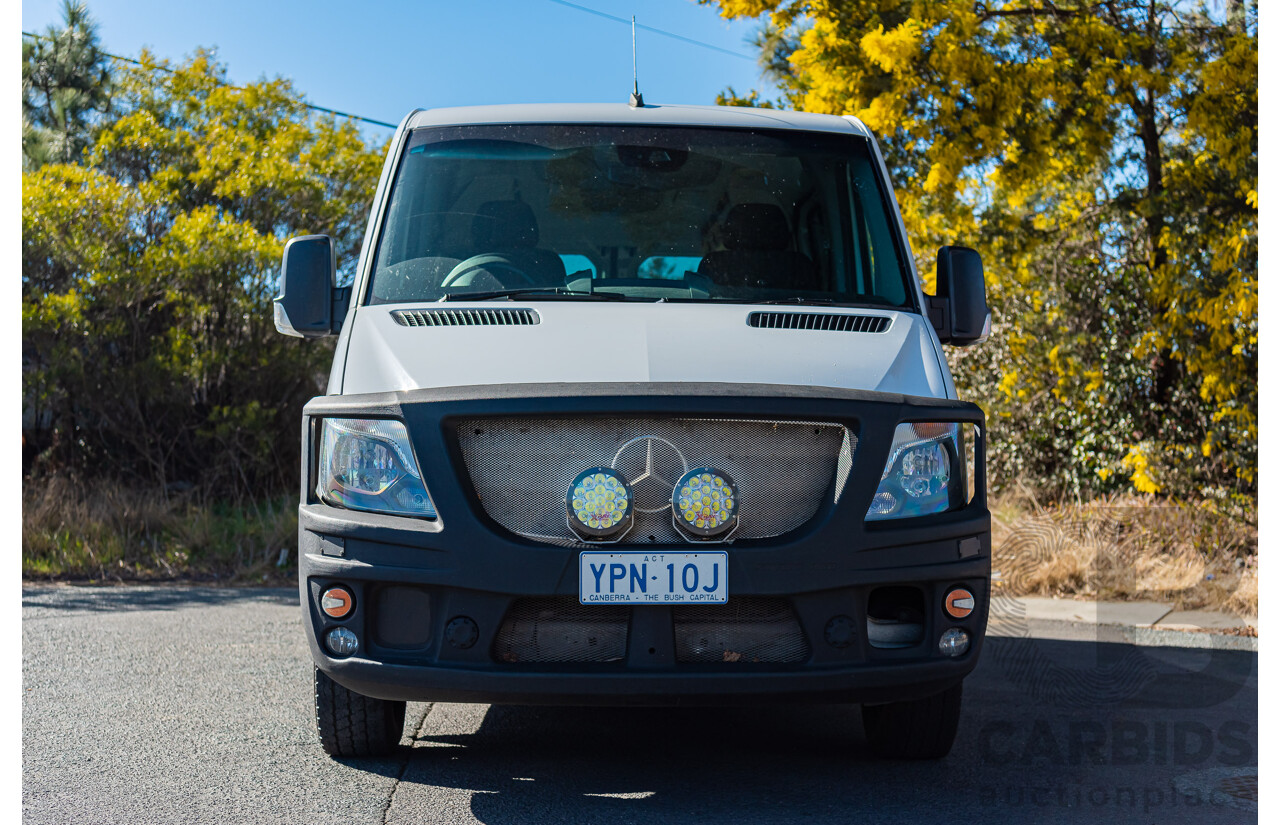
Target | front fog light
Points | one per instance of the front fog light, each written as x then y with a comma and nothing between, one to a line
954,642
342,641
705,503
599,504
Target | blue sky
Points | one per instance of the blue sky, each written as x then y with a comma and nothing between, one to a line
382,59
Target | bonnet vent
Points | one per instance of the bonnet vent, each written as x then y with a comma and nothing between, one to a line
465,317
827,321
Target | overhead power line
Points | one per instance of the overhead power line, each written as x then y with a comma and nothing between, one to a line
672,35
229,85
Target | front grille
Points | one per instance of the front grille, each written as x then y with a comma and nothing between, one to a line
744,629
521,469
823,321
465,317
559,629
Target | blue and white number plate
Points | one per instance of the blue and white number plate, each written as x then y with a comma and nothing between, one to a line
653,578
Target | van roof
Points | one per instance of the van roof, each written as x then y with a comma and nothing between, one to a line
649,115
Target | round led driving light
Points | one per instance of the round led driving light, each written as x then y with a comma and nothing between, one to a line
342,641
705,503
336,602
600,504
954,642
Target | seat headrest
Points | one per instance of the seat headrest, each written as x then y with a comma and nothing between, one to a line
504,225
756,226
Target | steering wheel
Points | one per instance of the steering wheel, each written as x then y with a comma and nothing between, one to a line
495,264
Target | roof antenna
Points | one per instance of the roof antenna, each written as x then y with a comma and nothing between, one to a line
637,99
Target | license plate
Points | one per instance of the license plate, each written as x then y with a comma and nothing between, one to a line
653,578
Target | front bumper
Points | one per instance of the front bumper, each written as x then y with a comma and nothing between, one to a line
412,578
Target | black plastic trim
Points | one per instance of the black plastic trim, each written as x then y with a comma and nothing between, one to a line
474,567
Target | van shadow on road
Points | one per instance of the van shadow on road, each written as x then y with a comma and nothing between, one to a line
50,600
1020,753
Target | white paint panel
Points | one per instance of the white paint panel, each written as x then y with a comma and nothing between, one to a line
640,342
649,115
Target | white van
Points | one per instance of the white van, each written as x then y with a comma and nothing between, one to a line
639,405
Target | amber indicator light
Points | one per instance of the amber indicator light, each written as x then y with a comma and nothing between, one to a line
336,602
959,603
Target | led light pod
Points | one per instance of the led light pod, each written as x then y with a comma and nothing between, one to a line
704,505
600,504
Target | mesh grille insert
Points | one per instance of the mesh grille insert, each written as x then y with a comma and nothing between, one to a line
559,629
824,321
465,317
521,469
744,629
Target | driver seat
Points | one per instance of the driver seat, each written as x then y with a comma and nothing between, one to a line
758,252
509,228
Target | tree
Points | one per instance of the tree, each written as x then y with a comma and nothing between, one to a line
148,274
1103,157
65,83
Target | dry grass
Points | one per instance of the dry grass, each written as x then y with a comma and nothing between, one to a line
105,532
1119,548
1127,548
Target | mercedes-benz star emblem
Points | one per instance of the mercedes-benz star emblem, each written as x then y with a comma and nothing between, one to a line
651,465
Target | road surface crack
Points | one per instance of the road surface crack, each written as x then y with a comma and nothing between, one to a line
404,766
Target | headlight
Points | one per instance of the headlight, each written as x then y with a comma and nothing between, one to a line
923,474
368,464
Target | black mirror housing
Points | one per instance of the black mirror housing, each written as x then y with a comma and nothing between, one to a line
309,304
959,311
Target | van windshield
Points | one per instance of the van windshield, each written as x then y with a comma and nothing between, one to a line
643,213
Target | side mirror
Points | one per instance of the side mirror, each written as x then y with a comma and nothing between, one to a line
959,311
309,305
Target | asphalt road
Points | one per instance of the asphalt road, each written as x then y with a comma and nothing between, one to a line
191,705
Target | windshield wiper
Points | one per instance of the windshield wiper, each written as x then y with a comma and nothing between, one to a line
548,291
795,300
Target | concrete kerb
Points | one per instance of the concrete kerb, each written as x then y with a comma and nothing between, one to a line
1130,614
1148,624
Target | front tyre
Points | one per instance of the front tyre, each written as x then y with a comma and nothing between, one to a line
919,729
351,724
